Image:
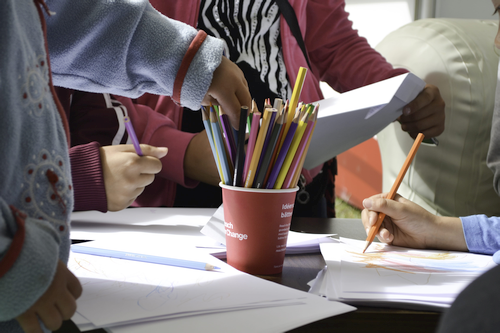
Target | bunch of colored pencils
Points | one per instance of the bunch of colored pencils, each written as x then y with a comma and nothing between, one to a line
277,145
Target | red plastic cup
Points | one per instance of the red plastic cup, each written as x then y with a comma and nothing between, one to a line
257,222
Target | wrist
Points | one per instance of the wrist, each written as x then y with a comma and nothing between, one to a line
448,234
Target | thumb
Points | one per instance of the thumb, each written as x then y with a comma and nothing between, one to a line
153,151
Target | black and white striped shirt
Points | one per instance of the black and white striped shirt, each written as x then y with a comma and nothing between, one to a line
251,31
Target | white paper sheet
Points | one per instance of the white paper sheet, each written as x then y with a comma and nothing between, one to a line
266,320
347,119
117,291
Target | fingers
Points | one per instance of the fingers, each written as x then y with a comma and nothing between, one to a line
158,152
51,317
58,303
29,322
382,205
425,114
146,165
74,286
229,89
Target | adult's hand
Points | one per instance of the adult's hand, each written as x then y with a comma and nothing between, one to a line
425,114
409,225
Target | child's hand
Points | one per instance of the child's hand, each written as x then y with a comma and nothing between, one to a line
58,303
126,173
409,225
229,89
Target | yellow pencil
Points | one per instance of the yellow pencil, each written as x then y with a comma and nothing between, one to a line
296,176
292,105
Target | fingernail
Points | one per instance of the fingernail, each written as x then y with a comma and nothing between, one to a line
367,230
367,203
406,111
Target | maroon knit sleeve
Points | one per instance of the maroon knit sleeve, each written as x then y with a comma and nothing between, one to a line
88,179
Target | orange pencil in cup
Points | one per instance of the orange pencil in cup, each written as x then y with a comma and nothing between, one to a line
376,227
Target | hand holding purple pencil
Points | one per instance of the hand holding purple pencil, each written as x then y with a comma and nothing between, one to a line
128,169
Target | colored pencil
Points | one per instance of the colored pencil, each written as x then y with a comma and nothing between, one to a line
208,129
219,146
228,135
292,106
268,154
142,258
413,151
240,149
291,152
273,113
275,151
251,142
257,149
282,154
132,136
303,157
300,151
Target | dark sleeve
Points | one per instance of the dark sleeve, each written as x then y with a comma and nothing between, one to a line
88,180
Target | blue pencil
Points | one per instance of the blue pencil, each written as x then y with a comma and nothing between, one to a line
219,145
208,129
142,258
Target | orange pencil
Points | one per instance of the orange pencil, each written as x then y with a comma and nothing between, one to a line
413,151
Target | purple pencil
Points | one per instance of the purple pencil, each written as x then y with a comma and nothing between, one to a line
282,154
132,136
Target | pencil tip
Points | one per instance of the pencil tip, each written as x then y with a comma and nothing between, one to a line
366,246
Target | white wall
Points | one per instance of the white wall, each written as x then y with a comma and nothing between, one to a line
375,19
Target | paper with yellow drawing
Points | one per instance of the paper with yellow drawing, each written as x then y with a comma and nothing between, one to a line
389,274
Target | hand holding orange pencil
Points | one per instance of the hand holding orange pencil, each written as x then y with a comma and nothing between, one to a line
376,227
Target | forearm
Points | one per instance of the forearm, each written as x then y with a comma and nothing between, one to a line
199,163
132,49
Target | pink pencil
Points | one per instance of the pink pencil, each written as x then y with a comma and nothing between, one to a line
251,142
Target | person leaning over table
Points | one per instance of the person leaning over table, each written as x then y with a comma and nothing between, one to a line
36,187
338,55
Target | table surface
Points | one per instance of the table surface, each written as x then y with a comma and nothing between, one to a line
298,270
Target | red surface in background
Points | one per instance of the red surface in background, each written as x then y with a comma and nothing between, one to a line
359,173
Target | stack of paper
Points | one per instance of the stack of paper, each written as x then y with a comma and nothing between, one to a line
297,242
129,296
394,276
